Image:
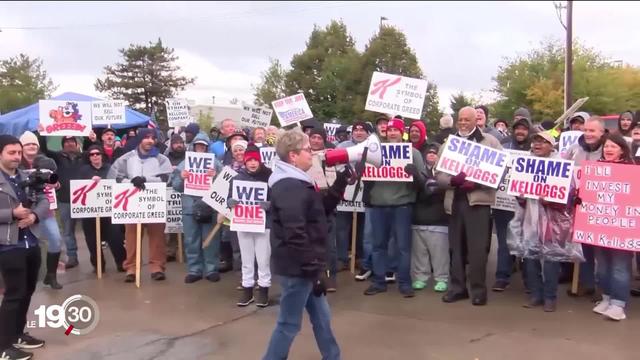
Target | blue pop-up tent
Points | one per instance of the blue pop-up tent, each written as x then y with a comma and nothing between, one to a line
27,118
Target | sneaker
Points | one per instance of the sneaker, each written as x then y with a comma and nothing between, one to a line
71,263
104,244
373,290
247,297
549,306
213,277
390,277
191,278
130,278
263,297
602,306
26,341
500,286
441,286
615,312
407,292
533,303
158,276
363,275
419,285
12,353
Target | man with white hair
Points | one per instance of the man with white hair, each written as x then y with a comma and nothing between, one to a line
446,129
227,127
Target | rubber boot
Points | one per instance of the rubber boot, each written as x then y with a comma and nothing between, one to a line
52,268
263,297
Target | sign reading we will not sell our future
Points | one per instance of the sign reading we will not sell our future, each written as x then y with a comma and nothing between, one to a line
395,94
108,112
609,215
248,215
537,177
199,180
255,116
134,206
482,164
395,156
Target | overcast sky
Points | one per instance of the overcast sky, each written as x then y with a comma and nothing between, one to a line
226,45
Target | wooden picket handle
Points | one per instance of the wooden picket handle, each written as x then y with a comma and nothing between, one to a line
98,249
354,231
576,278
212,233
180,249
138,252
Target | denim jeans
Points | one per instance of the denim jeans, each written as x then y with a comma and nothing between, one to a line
387,222
296,296
614,274
68,229
343,235
51,231
199,261
543,281
587,277
367,241
505,261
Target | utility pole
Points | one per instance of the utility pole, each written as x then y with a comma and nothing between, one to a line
568,61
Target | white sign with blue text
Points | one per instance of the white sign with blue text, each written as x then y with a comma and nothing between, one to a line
248,215
537,177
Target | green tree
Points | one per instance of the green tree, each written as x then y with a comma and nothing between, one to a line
271,86
23,81
147,77
458,101
431,112
204,119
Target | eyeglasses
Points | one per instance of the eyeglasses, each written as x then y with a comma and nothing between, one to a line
307,149
95,154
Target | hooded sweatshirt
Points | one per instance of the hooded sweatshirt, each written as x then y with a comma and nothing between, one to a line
423,135
154,167
581,151
627,133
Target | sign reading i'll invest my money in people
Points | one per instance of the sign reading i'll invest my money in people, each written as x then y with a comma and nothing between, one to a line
395,94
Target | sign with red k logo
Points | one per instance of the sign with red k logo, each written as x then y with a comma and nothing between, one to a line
90,199
133,206
396,95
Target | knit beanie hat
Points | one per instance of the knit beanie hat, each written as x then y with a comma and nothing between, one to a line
29,138
192,128
318,131
396,123
252,152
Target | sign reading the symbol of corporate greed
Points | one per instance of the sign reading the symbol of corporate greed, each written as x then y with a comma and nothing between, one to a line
395,94
90,198
395,156
255,116
64,118
292,109
178,112
198,165
248,215
536,177
482,164
504,201
268,156
348,204
568,138
217,195
330,129
134,206
108,112
174,212
609,215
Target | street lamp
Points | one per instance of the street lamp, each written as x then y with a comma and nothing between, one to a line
382,18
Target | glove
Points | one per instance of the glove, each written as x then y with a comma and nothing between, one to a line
343,179
319,288
138,182
411,169
468,186
265,205
577,200
232,202
458,180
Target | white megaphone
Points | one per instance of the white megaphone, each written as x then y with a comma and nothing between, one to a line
354,154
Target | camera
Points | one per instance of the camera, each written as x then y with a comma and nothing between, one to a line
38,180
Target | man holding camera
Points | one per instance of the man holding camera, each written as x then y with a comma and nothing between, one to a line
19,251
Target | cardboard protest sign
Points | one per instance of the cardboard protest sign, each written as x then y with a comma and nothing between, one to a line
535,177
198,164
482,164
221,113
108,112
395,156
174,212
609,215
217,195
50,193
568,138
178,112
64,118
331,131
133,206
504,201
292,109
248,216
91,199
255,116
395,94
268,156
346,204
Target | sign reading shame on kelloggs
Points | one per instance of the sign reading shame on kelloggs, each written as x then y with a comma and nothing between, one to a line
537,177
90,199
395,156
134,206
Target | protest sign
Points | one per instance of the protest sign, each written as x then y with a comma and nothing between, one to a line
107,112
482,164
395,156
248,215
174,212
347,203
178,112
292,109
536,177
395,94
91,199
221,113
268,156
609,215
50,193
217,195
504,201
64,118
331,131
134,206
568,138
198,164
255,116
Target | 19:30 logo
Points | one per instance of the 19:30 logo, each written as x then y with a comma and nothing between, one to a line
78,315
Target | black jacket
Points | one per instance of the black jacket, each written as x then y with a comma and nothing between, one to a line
87,171
429,206
442,135
299,227
68,165
262,175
